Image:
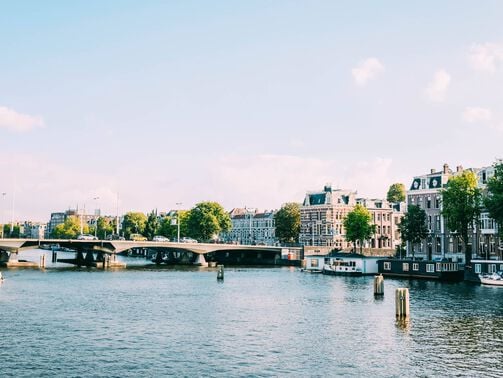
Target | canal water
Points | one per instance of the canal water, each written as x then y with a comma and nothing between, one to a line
258,322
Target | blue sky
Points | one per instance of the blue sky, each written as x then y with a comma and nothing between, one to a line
246,103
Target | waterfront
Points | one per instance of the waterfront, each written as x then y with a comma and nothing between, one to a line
258,322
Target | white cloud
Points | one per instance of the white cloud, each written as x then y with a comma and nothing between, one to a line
476,114
14,121
437,88
367,70
486,57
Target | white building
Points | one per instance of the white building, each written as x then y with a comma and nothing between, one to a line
251,227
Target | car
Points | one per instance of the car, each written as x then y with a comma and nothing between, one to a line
187,240
86,237
160,238
115,237
137,237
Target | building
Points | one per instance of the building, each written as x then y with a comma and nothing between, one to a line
251,227
34,230
442,243
321,217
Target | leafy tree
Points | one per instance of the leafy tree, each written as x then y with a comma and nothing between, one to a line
206,220
105,227
358,225
152,226
396,193
494,199
413,227
461,201
6,230
169,226
134,223
70,229
287,221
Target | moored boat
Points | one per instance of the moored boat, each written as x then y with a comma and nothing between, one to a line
342,268
427,269
495,279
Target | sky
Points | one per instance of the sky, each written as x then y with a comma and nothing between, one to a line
142,105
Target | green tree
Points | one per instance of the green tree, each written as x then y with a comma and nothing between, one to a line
287,223
396,193
358,225
70,229
494,198
169,226
105,227
152,226
461,201
206,220
134,223
413,227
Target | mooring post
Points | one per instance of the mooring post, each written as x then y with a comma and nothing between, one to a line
54,257
402,302
42,260
220,272
379,285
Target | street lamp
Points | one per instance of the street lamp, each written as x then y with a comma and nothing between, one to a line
178,204
3,227
96,212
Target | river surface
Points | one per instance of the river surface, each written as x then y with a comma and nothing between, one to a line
258,322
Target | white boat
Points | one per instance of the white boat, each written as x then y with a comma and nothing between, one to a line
1,277
495,279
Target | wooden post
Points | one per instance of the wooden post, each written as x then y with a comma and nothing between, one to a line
379,285
42,260
402,302
220,273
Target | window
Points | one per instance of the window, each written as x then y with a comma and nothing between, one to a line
491,268
314,263
478,268
439,267
415,266
428,203
387,265
405,267
430,268
437,202
501,266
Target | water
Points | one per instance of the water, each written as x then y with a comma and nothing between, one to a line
258,322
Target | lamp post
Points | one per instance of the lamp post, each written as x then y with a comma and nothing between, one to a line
3,227
96,213
178,204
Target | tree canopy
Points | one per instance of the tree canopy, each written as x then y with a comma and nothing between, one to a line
134,223
169,226
287,221
206,220
396,193
70,229
152,225
413,227
494,199
358,225
461,201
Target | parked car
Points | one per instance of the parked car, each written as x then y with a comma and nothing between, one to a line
187,240
86,237
160,238
115,237
137,237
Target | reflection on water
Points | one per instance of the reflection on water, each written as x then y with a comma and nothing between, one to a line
258,322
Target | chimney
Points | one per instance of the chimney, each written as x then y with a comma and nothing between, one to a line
432,170
459,168
446,168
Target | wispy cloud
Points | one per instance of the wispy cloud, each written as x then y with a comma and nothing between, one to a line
14,121
476,114
367,70
486,57
437,88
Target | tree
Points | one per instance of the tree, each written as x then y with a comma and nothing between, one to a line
461,201
105,227
396,193
358,225
206,220
287,222
413,227
152,226
134,223
494,198
70,229
169,226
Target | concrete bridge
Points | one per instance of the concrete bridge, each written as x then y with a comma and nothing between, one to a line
222,253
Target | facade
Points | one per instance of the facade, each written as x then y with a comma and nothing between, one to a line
33,230
251,227
321,217
442,243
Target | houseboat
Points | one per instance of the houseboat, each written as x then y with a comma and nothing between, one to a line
479,267
341,263
428,269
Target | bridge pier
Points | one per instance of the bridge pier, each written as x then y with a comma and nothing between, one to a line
200,260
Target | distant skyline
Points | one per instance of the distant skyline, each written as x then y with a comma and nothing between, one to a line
244,103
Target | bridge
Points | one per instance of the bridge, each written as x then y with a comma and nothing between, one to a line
98,250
